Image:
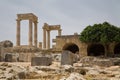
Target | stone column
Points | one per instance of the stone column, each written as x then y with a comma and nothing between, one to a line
48,39
30,32
40,45
18,33
59,32
44,38
35,34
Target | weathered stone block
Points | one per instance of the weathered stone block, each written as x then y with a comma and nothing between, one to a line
8,58
1,54
22,75
67,58
25,57
41,61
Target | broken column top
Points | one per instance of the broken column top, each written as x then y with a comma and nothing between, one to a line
51,27
27,16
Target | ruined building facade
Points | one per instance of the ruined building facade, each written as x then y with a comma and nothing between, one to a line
62,42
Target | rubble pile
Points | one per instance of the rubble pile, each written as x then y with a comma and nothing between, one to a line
56,71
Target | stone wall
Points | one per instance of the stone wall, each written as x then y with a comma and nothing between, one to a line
62,41
25,57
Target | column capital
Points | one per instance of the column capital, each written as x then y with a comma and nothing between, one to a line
60,29
36,22
31,20
18,19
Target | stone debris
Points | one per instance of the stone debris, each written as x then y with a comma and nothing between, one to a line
56,71
105,62
75,76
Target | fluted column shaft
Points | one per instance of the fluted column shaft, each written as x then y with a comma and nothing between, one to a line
48,39
44,38
18,33
59,32
30,33
35,34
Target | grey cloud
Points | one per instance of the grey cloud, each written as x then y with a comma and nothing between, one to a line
73,15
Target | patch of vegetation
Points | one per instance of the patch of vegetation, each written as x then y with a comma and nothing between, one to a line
104,33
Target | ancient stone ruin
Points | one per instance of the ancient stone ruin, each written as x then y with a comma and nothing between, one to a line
32,19
46,30
68,59
71,43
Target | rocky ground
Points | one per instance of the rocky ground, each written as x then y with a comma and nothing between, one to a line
82,70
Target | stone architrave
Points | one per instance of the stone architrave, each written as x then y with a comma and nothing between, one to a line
41,61
67,58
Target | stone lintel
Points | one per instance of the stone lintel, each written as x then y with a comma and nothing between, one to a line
27,16
51,27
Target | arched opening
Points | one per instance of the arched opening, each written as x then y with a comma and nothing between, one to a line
95,50
71,47
117,50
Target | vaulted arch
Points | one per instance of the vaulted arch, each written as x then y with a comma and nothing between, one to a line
117,49
95,50
71,47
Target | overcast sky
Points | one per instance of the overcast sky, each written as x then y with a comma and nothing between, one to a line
72,15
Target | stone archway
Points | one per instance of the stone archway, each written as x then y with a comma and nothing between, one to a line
71,47
95,50
117,49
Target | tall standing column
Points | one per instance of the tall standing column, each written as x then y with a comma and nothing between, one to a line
48,39
35,34
30,32
18,33
59,32
44,38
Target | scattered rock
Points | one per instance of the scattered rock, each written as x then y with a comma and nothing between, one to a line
90,61
113,68
68,68
75,76
78,64
93,72
56,57
22,75
4,64
83,71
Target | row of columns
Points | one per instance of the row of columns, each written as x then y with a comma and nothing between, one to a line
46,38
30,33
